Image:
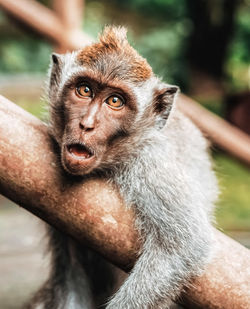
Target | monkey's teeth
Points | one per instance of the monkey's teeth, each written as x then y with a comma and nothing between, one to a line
80,151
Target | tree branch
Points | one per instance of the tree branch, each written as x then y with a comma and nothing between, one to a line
220,132
94,214
46,22
70,13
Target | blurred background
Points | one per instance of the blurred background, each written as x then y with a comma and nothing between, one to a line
202,46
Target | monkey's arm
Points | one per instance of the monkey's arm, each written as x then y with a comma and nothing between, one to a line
30,177
172,222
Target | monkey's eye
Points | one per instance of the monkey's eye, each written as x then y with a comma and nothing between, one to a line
84,91
115,102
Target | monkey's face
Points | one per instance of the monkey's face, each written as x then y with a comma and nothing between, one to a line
97,116
104,99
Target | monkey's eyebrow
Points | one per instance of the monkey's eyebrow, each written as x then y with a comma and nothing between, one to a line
76,79
91,81
98,80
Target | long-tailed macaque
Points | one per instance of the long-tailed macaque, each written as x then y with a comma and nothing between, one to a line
109,113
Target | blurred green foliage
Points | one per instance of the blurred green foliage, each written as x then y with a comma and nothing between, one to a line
20,51
32,57
37,108
238,64
233,210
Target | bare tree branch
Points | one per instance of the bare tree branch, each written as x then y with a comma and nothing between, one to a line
46,22
70,13
220,132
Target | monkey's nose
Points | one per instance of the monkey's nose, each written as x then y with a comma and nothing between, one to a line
86,127
89,121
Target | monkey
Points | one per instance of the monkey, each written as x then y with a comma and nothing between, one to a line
110,115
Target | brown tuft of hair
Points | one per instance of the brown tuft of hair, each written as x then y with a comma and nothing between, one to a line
113,43
115,37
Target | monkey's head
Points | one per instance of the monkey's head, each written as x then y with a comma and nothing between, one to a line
104,99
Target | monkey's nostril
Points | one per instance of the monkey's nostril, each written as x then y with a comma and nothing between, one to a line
89,129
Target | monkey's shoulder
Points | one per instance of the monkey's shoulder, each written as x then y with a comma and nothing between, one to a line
184,136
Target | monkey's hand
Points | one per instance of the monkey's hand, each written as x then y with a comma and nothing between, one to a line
159,275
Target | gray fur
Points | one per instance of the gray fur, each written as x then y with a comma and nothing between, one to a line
164,173
173,193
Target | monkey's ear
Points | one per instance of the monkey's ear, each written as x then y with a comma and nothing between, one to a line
163,103
56,59
55,74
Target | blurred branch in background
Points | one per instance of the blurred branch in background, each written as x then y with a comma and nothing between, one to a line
219,131
71,15
60,29
29,175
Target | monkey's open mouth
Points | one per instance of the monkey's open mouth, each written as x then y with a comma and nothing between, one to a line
80,151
